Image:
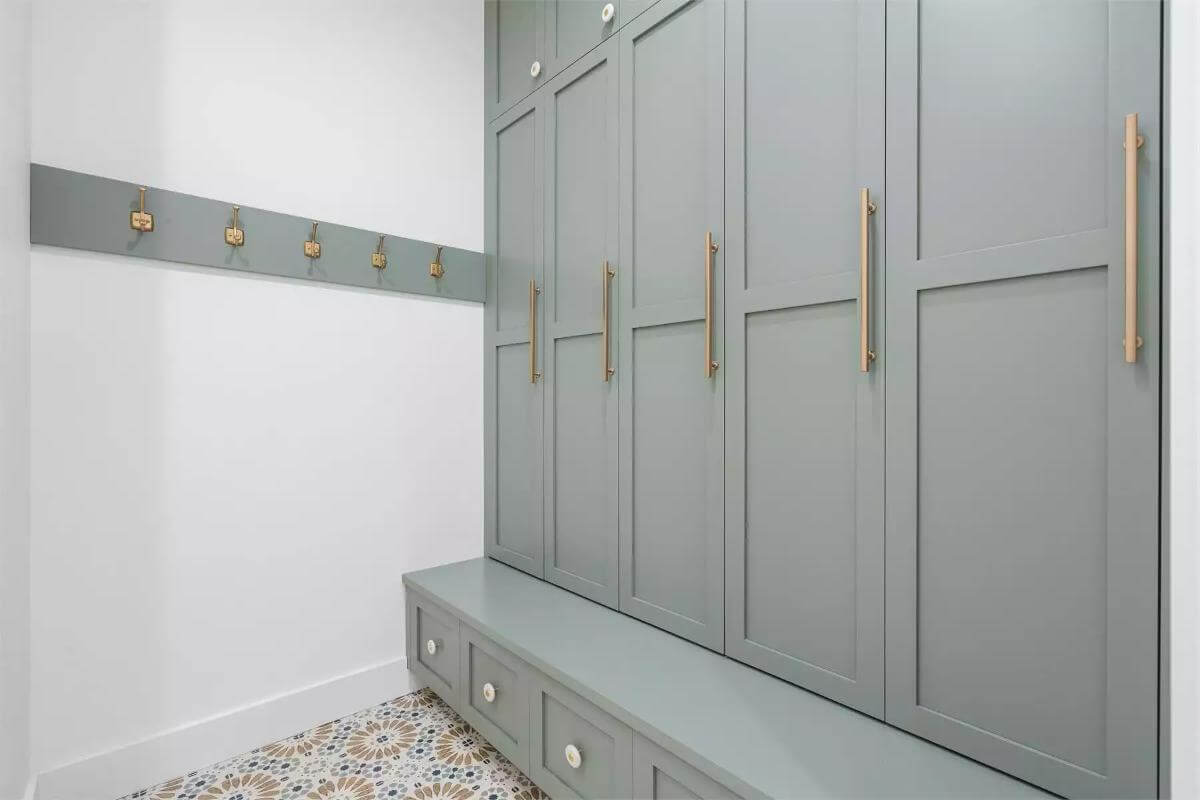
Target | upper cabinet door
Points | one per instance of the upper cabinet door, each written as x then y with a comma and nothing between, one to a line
573,27
804,442
513,359
581,380
514,62
1022,446
671,288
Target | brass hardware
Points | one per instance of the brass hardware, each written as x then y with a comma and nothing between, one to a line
378,259
141,220
312,248
606,279
710,247
1132,341
866,354
235,236
534,291
436,270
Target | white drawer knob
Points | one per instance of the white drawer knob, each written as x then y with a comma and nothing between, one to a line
574,757
489,693
535,69
431,647
607,13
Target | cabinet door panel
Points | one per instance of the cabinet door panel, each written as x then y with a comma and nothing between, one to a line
672,414
513,31
573,27
517,223
581,404
513,403
659,775
518,457
804,447
1022,452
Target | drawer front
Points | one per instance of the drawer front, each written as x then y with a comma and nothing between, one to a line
436,662
496,702
600,764
660,775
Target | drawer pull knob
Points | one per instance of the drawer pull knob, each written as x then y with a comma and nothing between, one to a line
489,693
535,69
431,647
607,14
574,757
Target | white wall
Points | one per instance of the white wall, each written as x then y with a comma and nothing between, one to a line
1183,100
14,396
230,473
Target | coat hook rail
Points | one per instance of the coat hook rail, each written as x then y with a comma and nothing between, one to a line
88,212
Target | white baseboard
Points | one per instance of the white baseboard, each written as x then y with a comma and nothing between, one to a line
135,766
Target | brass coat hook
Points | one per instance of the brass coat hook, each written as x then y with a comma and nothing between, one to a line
235,236
312,248
378,259
141,220
436,270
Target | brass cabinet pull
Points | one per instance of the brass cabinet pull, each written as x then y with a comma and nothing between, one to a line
866,354
1132,142
534,291
710,247
606,279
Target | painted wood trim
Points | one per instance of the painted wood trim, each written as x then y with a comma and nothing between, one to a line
88,212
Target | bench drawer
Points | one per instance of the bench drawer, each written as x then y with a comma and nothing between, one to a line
660,775
577,750
496,700
433,646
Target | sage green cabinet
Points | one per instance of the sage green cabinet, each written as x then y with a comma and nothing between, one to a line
514,52
983,571
804,436
513,361
672,403
574,27
580,421
1022,448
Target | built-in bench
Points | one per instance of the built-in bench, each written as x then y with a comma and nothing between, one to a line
591,703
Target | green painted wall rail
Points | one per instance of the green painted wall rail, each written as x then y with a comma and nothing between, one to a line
87,212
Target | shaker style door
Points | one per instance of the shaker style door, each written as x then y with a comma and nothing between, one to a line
581,362
514,63
513,360
1023,385
573,27
670,319
804,409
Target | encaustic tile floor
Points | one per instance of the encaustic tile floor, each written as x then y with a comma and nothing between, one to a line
412,748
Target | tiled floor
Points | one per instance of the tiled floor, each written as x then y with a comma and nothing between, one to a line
413,747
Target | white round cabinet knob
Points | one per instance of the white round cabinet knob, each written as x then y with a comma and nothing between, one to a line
489,693
574,757
535,69
607,13
431,647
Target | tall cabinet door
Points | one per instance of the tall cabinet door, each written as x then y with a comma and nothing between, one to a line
514,63
672,385
1022,443
513,359
581,355
804,442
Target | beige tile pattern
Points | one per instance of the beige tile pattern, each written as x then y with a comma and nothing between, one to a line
412,748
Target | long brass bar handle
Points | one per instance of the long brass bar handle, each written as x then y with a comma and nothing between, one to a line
1132,142
606,279
865,209
534,291
710,247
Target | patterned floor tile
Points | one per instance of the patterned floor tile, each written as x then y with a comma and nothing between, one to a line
412,748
